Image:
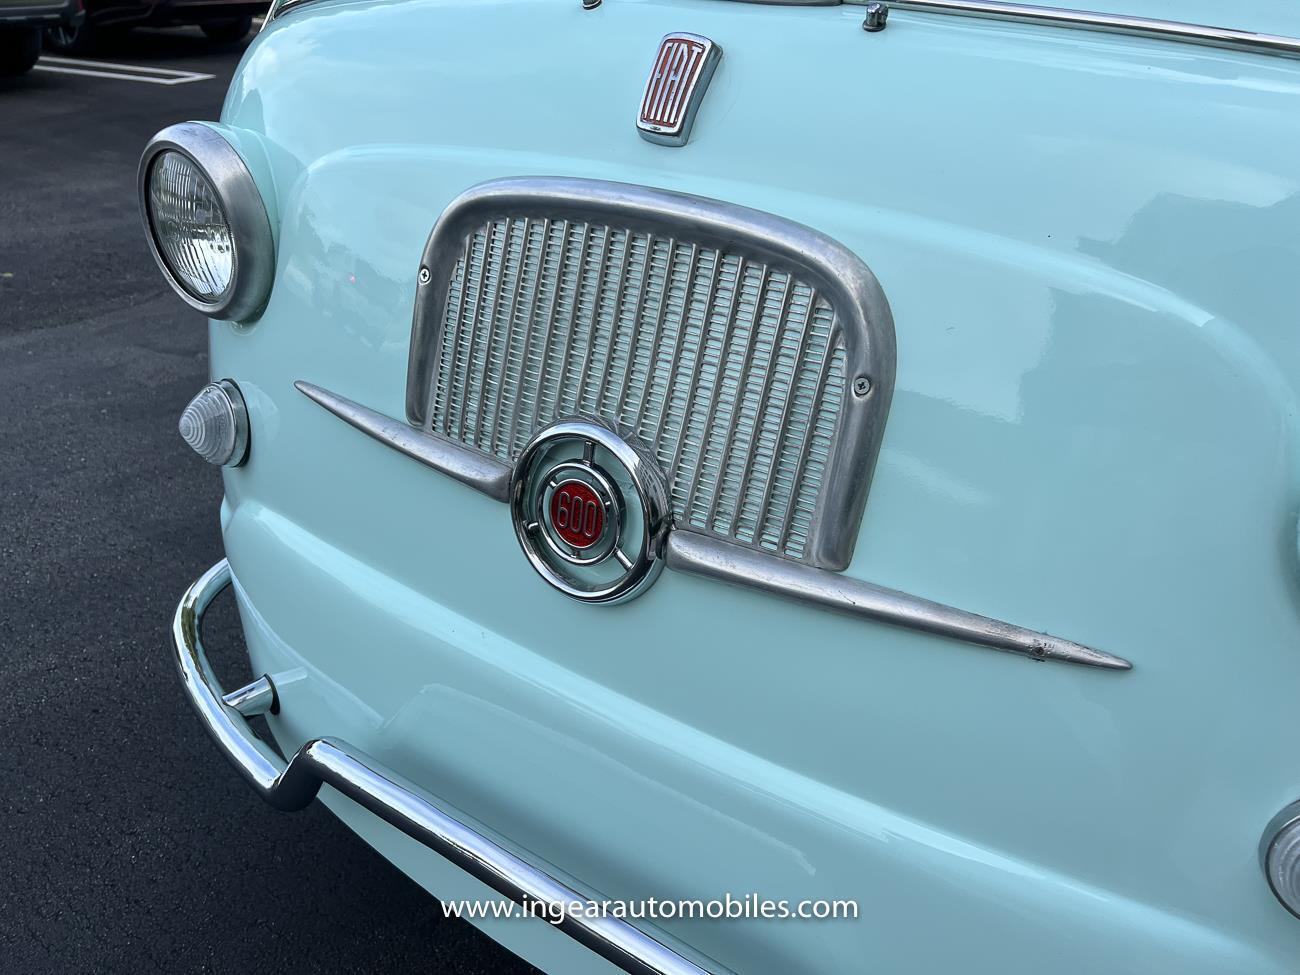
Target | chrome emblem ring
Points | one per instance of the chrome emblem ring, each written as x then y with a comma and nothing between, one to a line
590,510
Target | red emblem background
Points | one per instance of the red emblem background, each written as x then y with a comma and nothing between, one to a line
577,514
676,68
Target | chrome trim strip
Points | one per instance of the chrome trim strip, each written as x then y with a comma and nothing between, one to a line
1169,30
393,799
864,321
253,246
715,559
279,7
479,471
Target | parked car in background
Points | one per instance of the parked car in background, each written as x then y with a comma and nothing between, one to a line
21,23
224,21
894,336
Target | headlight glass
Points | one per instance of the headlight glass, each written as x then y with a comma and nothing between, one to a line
190,227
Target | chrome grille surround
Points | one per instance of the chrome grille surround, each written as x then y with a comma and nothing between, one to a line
734,343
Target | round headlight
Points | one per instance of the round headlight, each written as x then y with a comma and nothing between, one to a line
190,227
208,227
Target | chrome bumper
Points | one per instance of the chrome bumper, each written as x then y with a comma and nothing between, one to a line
386,794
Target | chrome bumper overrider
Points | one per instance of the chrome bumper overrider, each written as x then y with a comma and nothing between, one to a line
386,794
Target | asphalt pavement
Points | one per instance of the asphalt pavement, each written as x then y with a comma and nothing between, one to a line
126,842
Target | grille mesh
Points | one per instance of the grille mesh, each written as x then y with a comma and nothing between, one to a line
730,369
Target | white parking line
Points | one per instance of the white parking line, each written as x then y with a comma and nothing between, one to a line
141,68
124,72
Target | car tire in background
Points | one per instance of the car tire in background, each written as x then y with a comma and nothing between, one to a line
228,31
68,39
19,49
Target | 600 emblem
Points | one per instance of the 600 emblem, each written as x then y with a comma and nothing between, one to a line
590,510
577,514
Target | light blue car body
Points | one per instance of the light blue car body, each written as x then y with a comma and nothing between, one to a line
1091,247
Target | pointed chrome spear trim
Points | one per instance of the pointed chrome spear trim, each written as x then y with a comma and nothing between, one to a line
715,559
467,466
692,552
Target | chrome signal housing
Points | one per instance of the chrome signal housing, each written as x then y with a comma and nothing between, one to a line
591,512
206,222
1279,854
215,424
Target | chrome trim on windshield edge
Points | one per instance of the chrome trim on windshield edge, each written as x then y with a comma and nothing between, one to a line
393,799
711,557
716,559
470,467
1169,30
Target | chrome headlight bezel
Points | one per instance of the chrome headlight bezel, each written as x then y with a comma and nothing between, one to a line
253,246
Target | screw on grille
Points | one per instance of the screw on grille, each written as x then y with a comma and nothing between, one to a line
763,324
861,386
424,275
877,16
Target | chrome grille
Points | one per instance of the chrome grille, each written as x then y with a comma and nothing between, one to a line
732,369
